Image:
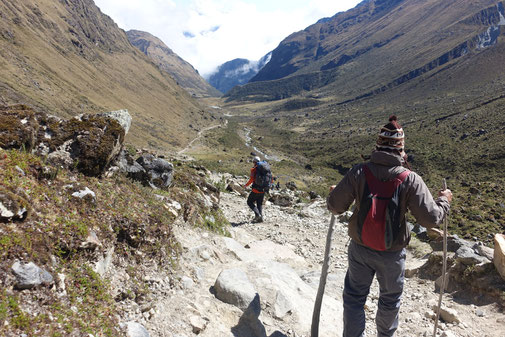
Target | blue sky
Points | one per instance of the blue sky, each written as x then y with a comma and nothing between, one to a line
207,33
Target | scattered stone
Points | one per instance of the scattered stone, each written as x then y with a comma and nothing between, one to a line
12,207
91,242
449,315
479,313
291,186
29,275
187,283
85,194
198,324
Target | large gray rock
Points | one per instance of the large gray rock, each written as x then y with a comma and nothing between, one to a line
30,275
454,243
121,116
467,256
233,287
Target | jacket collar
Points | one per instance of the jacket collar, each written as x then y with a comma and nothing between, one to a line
386,158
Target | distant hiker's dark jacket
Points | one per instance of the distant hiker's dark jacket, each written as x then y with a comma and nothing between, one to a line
415,196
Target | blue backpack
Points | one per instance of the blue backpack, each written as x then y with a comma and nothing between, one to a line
263,178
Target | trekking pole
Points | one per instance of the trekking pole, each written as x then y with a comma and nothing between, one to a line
314,329
444,271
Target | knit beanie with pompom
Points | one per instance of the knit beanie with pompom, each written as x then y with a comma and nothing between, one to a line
391,136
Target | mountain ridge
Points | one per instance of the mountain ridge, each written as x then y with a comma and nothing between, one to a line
182,71
345,49
67,57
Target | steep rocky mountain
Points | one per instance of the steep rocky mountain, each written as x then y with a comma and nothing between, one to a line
67,58
183,72
380,45
237,72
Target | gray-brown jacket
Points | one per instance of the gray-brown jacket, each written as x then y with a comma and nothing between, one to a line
415,196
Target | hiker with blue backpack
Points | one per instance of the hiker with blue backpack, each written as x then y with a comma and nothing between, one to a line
261,180
383,190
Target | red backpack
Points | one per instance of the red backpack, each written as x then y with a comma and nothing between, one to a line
379,212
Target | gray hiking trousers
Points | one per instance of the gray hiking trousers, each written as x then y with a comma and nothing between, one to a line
364,263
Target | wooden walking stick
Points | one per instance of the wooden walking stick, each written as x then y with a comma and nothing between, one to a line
314,329
444,271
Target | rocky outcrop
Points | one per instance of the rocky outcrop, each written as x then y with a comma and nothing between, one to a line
88,143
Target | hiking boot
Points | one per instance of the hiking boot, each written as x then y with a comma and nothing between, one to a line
257,219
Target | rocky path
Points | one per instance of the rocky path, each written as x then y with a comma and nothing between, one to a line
305,228
282,259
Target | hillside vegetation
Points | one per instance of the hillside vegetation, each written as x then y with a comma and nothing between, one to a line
67,58
70,237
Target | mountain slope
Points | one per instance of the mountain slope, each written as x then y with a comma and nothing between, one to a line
376,46
167,60
236,72
66,57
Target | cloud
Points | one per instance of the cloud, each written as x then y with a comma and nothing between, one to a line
207,33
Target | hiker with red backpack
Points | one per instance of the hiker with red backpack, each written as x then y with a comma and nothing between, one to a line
261,180
384,189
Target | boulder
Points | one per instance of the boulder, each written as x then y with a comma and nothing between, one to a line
499,254
467,256
88,142
282,198
233,287
30,275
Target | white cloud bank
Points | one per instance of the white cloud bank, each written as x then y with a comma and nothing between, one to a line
207,33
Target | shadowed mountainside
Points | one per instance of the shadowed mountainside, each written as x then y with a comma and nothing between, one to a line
377,46
67,57
183,72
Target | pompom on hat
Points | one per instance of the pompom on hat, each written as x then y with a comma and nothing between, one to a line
391,136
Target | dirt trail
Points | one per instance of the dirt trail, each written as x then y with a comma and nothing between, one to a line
200,134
